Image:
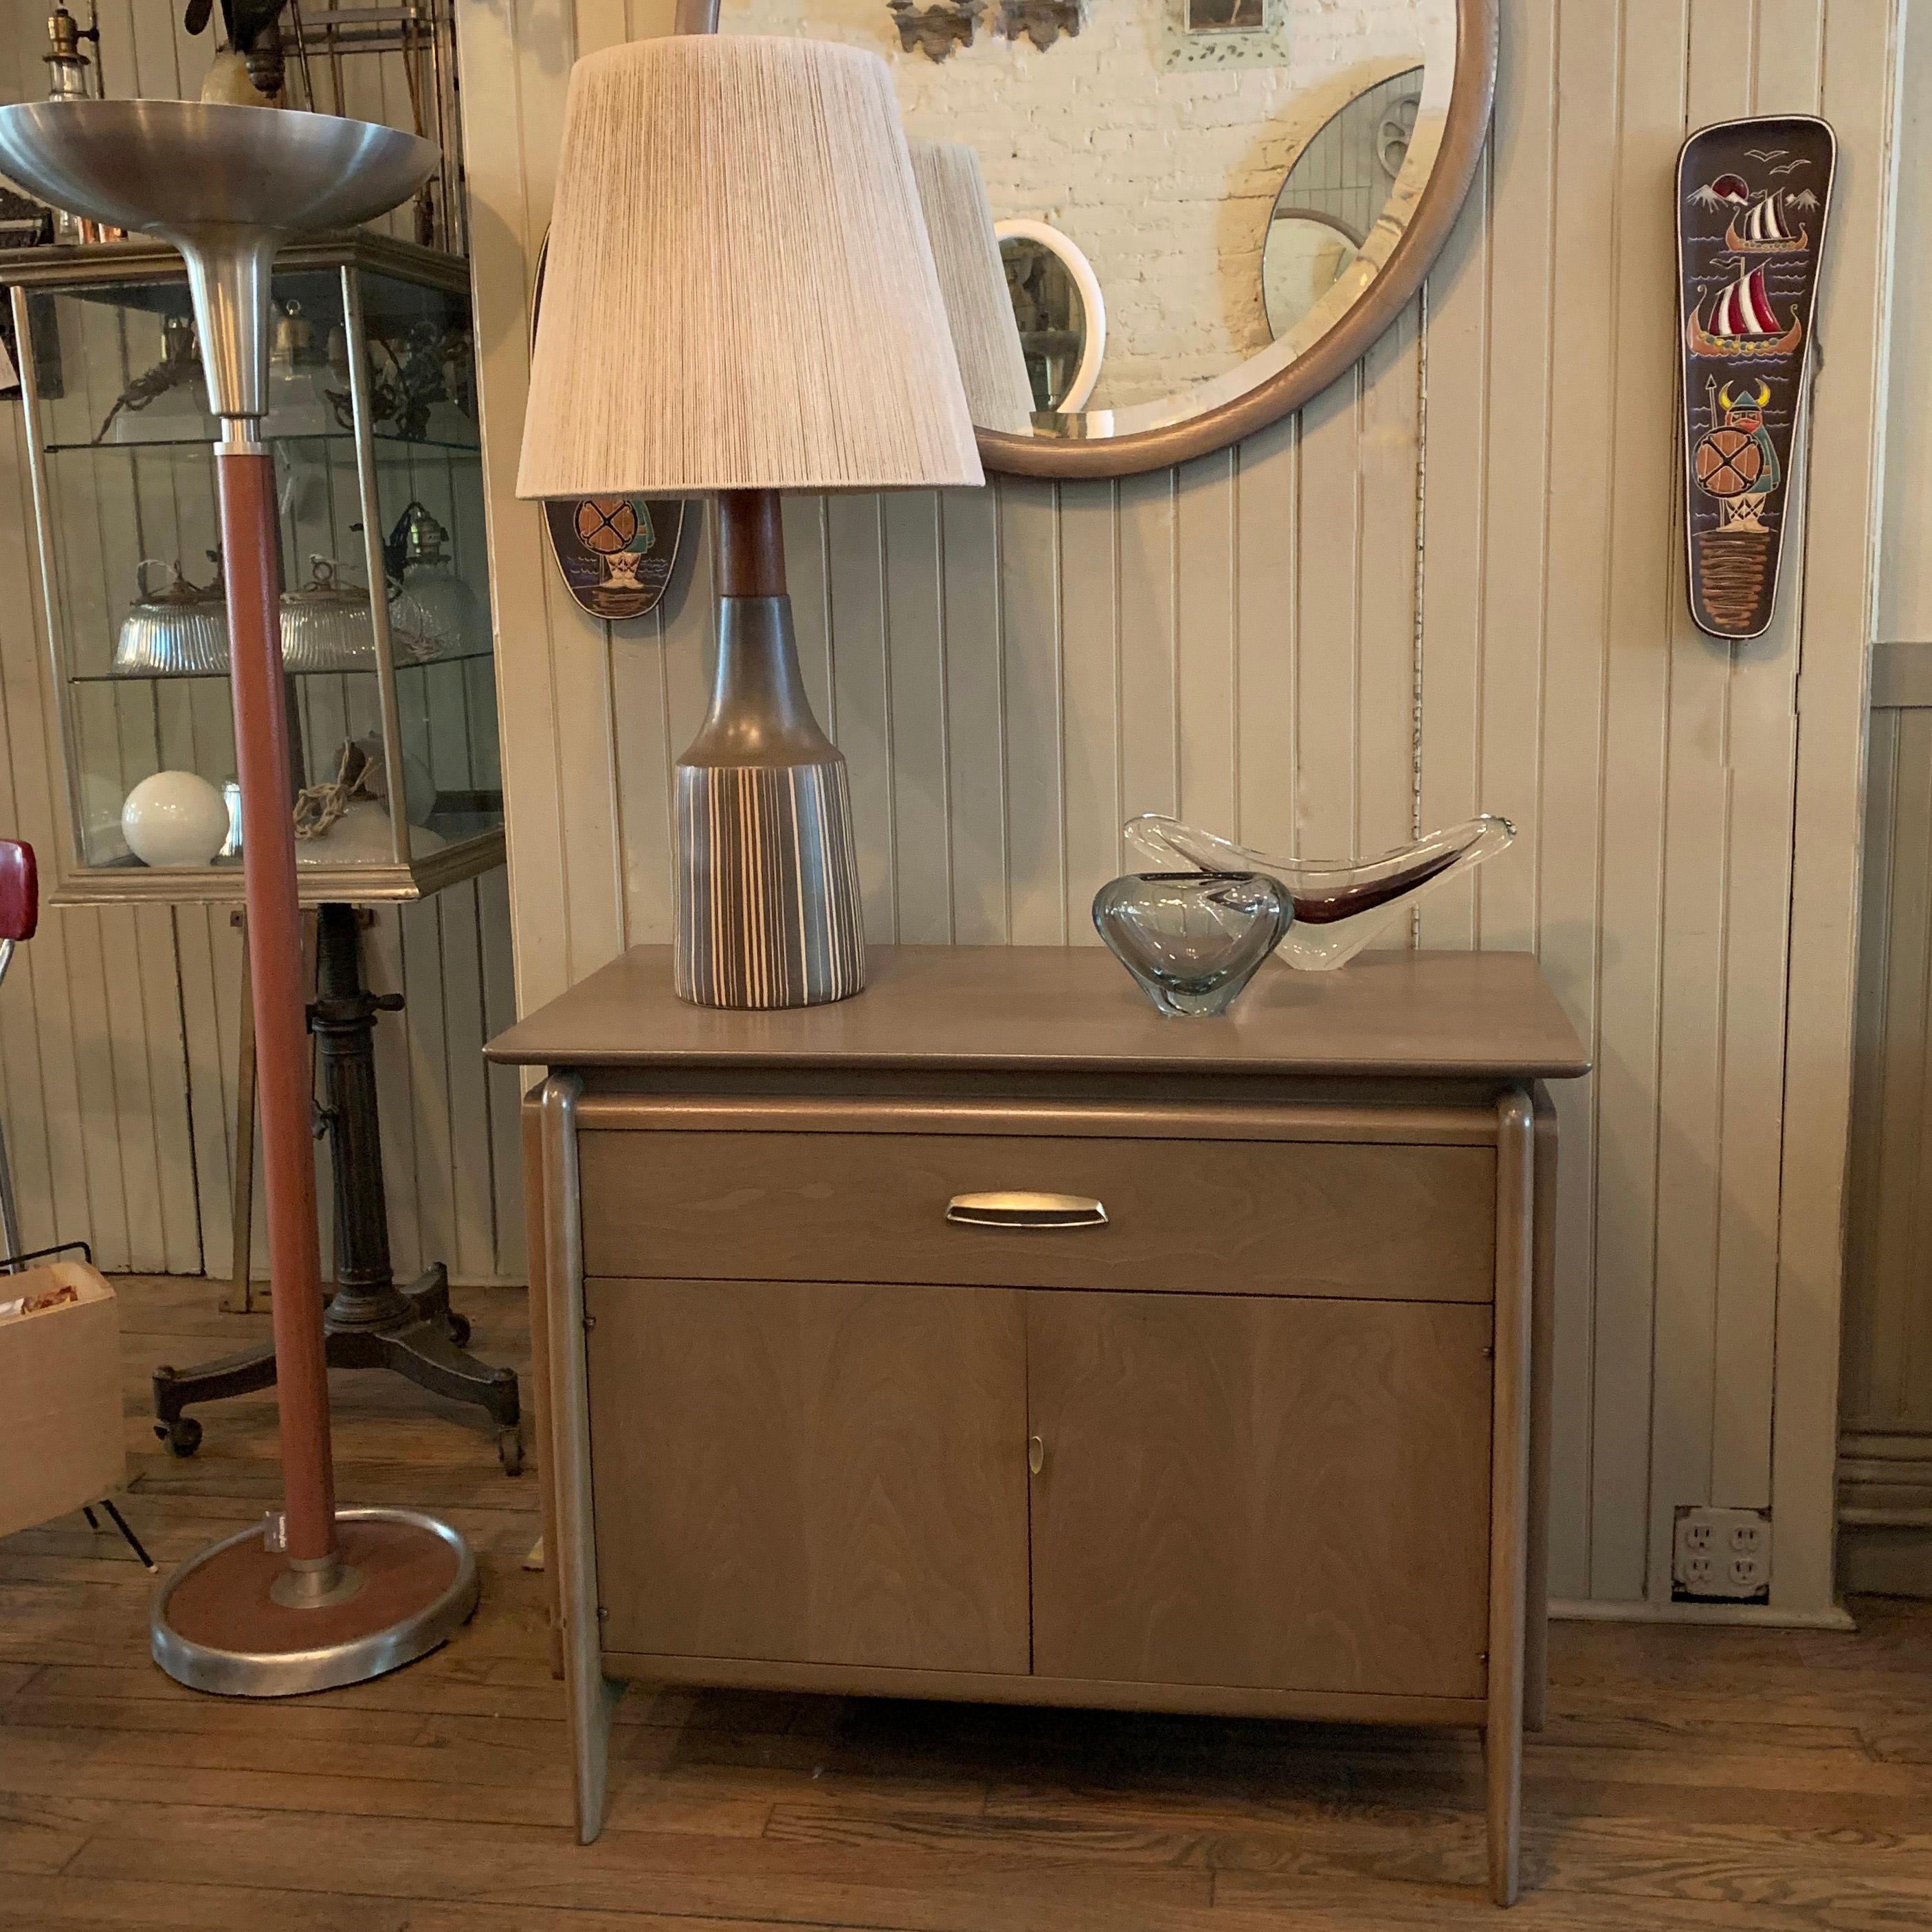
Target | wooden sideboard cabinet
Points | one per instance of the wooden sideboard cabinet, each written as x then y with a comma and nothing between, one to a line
990,1336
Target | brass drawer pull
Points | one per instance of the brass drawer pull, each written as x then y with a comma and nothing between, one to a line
1006,1208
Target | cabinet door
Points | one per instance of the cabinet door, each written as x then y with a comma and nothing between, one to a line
1239,1490
811,1472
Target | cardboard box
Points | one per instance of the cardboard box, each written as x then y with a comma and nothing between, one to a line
62,1443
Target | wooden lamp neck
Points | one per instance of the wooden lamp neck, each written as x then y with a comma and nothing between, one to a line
751,544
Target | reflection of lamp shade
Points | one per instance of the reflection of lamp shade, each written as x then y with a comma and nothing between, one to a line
739,293
973,284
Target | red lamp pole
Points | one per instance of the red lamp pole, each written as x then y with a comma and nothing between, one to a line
247,476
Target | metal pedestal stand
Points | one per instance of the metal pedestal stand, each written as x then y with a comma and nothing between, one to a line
370,1322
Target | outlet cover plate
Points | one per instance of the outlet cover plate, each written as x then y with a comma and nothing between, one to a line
1721,1555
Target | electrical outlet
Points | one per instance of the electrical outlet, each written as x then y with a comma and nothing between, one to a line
1721,1555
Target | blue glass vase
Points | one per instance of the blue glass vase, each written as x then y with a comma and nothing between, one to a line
1193,940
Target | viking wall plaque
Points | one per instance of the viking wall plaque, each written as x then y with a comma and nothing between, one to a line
1752,196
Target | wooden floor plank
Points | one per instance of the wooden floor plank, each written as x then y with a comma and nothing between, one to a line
1774,1780
82,1905
451,1861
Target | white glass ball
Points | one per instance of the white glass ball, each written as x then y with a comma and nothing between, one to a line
175,818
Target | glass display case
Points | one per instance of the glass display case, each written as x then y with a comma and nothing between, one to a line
385,616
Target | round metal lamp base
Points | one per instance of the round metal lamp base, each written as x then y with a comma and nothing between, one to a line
220,1623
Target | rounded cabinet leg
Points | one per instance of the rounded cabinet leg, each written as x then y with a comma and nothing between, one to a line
1502,1770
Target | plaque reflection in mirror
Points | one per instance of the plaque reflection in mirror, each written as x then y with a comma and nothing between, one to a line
1244,193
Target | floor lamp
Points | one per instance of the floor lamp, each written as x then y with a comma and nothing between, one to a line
322,1596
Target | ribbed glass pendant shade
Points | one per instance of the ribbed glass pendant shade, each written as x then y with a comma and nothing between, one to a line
739,292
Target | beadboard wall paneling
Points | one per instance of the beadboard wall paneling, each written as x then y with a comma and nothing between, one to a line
1452,584
119,1025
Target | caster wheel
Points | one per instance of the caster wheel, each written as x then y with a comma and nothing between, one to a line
510,1452
182,1436
459,1329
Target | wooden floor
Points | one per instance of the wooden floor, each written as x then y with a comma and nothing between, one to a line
1766,1780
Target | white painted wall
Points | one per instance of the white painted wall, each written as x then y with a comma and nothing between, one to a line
1464,559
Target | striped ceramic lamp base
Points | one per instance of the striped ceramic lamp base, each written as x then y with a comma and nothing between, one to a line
768,908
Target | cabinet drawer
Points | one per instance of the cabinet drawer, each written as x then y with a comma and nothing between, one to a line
1407,1223
1286,1494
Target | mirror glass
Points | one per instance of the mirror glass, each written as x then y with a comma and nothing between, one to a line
1229,175
1333,195
1305,257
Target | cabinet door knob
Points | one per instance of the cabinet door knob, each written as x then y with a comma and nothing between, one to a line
1036,1454
1007,1208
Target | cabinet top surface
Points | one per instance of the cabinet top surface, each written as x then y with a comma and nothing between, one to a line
1453,1015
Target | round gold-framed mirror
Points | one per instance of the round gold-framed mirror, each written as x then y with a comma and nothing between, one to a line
1255,190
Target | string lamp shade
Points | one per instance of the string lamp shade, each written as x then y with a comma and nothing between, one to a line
739,293
740,298
973,285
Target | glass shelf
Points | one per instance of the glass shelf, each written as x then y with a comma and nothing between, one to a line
382,439
455,826
345,670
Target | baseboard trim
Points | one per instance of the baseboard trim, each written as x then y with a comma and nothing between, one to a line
1879,1554
1580,1609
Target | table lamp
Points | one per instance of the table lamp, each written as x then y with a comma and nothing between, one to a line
323,1596
740,298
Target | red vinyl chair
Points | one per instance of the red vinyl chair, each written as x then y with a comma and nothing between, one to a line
19,913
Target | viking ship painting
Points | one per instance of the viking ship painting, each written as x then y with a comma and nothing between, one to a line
1767,229
1752,198
1742,323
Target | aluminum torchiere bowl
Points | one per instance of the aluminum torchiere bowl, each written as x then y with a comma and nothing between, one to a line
329,1597
226,185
